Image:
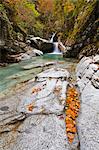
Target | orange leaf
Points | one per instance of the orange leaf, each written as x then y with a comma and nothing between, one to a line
70,137
30,107
71,111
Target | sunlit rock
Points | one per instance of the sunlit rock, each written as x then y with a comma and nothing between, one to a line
88,122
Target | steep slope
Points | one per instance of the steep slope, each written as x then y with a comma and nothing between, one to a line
84,38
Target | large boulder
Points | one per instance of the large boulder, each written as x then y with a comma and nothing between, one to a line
41,44
88,120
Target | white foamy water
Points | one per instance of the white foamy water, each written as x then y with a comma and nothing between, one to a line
56,49
51,40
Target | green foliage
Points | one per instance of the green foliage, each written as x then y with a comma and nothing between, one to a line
1,7
4,13
46,16
83,15
31,6
24,13
56,15
38,28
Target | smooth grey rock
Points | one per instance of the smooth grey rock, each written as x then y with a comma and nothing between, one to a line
25,57
88,120
2,42
46,100
54,73
8,124
61,47
68,48
37,65
83,65
96,59
43,133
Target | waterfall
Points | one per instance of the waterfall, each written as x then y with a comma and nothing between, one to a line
56,49
51,40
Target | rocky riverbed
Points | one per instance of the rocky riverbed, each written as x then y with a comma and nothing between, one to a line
32,113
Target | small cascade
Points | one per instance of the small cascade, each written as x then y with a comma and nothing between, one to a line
56,49
51,40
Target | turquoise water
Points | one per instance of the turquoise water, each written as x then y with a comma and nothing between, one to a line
14,74
53,56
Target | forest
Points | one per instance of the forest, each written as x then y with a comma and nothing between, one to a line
71,20
42,18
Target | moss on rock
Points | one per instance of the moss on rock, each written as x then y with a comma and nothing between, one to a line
80,22
85,31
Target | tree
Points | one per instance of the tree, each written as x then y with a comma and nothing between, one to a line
24,13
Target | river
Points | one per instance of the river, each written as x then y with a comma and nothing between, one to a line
15,74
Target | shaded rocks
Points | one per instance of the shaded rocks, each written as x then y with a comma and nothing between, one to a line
61,47
12,42
6,34
41,44
89,50
85,32
17,51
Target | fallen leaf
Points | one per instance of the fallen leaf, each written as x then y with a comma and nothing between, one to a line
36,89
70,137
71,110
30,107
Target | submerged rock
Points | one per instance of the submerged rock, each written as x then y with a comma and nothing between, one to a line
37,65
